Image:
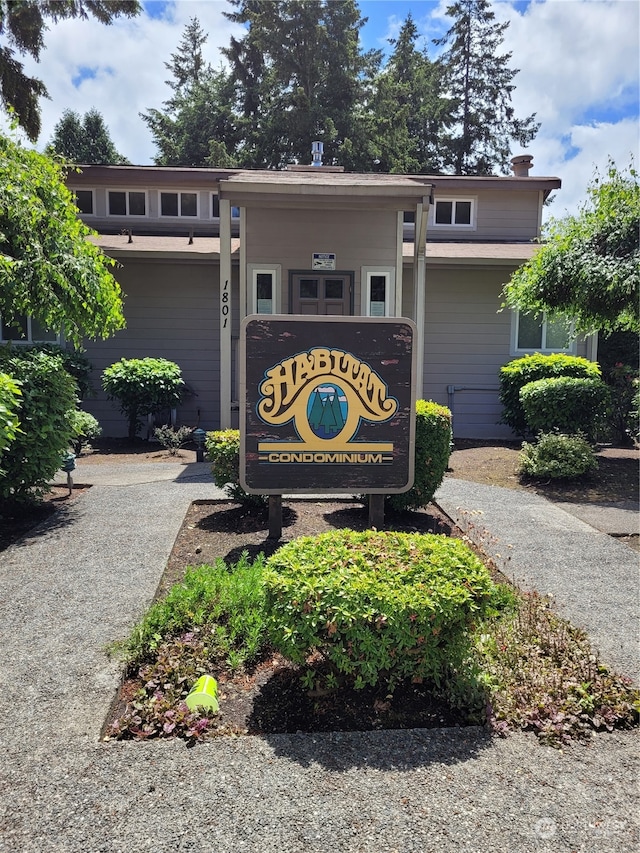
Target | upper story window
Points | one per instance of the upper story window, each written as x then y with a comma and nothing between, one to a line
536,333
215,208
127,203
27,330
84,201
454,213
178,204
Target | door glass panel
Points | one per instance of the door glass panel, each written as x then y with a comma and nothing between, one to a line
308,288
333,288
378,293
264,292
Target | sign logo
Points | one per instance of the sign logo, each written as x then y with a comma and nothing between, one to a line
327,393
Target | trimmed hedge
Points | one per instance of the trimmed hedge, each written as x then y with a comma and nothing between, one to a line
433,448
567,405
9,404
379,607
46,405
521,371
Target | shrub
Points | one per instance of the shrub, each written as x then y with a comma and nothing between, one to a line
558,456
624,383
85,429
48,399
432,451
173,439
143,386
568,405
378,607
223,451
75,363
518,373
227,601
9,405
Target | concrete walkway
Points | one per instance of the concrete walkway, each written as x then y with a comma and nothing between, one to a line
82,581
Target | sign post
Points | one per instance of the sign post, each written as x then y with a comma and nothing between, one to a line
327,405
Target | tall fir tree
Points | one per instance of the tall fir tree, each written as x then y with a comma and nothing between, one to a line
410,110
301,77
196,127
479,81
85,140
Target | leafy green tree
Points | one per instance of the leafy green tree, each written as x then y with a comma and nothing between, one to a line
22,26
85,140
479,81
588,268
196,127
48,268
410,111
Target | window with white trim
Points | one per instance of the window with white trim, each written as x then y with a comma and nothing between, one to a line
127,202
453,213
27,330
264,289
178,204
84,201
535,333
378,292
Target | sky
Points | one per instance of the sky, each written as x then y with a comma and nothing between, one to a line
578,60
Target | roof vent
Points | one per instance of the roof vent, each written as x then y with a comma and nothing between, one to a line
521,165
317,150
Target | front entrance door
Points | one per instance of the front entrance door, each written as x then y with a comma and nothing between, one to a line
322,293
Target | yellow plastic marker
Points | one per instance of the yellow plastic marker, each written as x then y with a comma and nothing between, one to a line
204,693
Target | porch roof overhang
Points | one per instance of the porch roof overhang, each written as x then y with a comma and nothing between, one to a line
473,253
167,248
325,189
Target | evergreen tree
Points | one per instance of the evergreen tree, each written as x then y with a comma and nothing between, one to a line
301,76
22,25
85,140
196,128
410,111
479,80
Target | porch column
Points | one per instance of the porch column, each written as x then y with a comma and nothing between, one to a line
419,277
225,313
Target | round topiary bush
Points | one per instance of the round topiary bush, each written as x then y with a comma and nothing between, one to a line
378,607
558,456
567,405
519,372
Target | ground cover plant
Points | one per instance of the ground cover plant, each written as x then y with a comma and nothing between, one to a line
521,668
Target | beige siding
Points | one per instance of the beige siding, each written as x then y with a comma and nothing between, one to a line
504,216
290,237
172,312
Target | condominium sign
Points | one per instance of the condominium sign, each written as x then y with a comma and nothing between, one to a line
328,404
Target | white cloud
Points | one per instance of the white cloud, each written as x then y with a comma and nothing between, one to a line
127,62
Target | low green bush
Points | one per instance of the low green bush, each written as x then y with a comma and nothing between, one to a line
521,371
378,607
624,382
46,405
558,456
432,451
74,362
568,405
226,602
223,451
143,386
9,405
85,429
